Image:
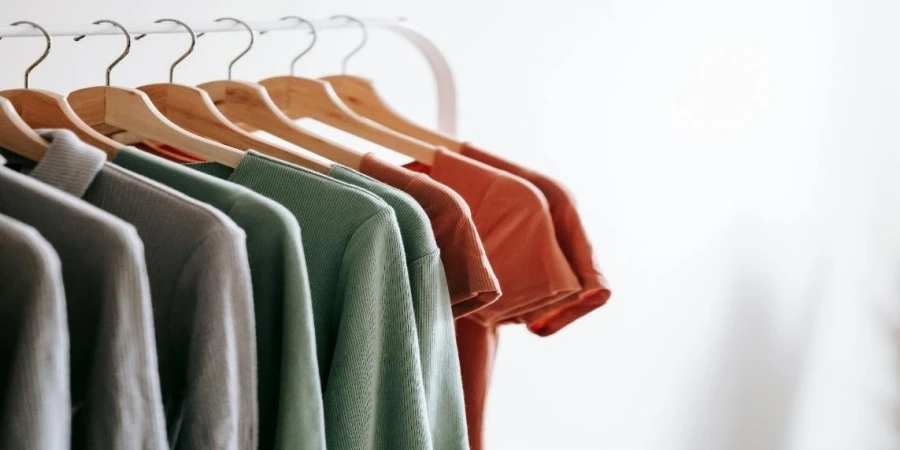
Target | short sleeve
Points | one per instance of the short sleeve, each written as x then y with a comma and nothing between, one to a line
470,276
574,242
374,392
520,240
439,354
290,392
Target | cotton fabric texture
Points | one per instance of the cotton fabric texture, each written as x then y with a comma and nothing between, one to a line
431,304
114,381
470,277
35,399
291,414
573,241
200,285
366,340
514,223
508,212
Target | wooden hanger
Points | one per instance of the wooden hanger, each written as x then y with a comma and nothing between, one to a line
301,97
112,110
193,109
250,104
17,136
43,109
360,95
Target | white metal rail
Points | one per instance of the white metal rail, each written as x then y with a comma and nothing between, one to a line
446,88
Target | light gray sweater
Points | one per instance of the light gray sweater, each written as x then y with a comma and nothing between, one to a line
114,381
34,342
201,293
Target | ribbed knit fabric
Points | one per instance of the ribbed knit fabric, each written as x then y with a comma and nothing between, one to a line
573,241
114,380
290,394
470,277
35,399
514,223
200,283
366,339
431,303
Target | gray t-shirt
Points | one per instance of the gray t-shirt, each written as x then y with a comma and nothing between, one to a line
114,379
200,285
34,342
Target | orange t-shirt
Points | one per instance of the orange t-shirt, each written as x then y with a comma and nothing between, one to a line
572,240
470,278
477,347
514,222
513,219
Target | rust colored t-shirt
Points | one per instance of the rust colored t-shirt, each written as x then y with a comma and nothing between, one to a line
514,222
470,276
513,219
477,346
573,241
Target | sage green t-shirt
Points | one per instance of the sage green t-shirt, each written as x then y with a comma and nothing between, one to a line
366,338
290,394
431,304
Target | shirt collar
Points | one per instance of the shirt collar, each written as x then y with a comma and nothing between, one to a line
69,164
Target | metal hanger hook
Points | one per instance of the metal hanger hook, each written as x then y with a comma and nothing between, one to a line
44,55
249,45
127,44
365,39
185,55
315,37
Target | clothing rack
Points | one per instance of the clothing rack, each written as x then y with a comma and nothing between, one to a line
446,88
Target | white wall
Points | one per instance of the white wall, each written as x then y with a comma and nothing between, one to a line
736,163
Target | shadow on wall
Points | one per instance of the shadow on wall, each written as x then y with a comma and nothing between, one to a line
892,325
752,386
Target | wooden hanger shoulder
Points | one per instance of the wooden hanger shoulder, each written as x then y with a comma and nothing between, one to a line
44,109
360,95
193,109
17,136
250,104
113,109
303,97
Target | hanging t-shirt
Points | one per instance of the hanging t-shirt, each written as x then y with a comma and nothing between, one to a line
470,277
366,340
573,241
513,220
431,303
289,390
200,285
35,397
514,223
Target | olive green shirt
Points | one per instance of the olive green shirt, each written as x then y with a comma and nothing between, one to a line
366,338
432,307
